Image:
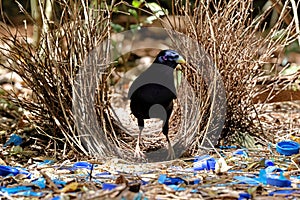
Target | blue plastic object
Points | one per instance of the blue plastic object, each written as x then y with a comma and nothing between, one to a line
262,178
269,163
272,169
6,170
105,175
279,181
14,139
240,152
281,192
46,162
13,190
243,196
144,182
56,198
246,180
108,186
29,193
227,147
163,179
59,183
204,162
287,147
40,182
82,165
176,187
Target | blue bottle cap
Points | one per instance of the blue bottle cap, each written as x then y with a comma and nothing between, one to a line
287,147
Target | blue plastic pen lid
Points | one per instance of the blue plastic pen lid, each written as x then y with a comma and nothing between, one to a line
287,147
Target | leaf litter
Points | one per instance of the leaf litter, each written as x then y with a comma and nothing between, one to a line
236,174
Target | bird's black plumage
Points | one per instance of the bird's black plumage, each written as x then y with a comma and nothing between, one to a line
153,92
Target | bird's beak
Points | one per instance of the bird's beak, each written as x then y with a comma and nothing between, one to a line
180,60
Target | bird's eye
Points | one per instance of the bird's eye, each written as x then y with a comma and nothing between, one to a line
176,56
164,58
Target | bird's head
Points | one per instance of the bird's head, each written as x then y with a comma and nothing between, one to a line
170,58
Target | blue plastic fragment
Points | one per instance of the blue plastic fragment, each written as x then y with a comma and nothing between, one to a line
40,182
163,179
272,169
108,186
6,170
82,165
171,181
279,181
56,198
262,178
176,187
246,180
204,162
269,163
287,147
243,196
14,139
59,183
30,193
144,182
240,152
194,182
13,190
281,192
228,147
103,174
106,175
46,162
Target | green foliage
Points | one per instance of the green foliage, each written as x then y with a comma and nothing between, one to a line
133,13
136,11
137,3
117,27
157,11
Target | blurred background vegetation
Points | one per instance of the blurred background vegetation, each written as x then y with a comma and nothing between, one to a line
49,69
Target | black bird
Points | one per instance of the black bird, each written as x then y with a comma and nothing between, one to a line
152,94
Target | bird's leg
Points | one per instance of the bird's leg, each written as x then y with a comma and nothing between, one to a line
138,153
171,153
